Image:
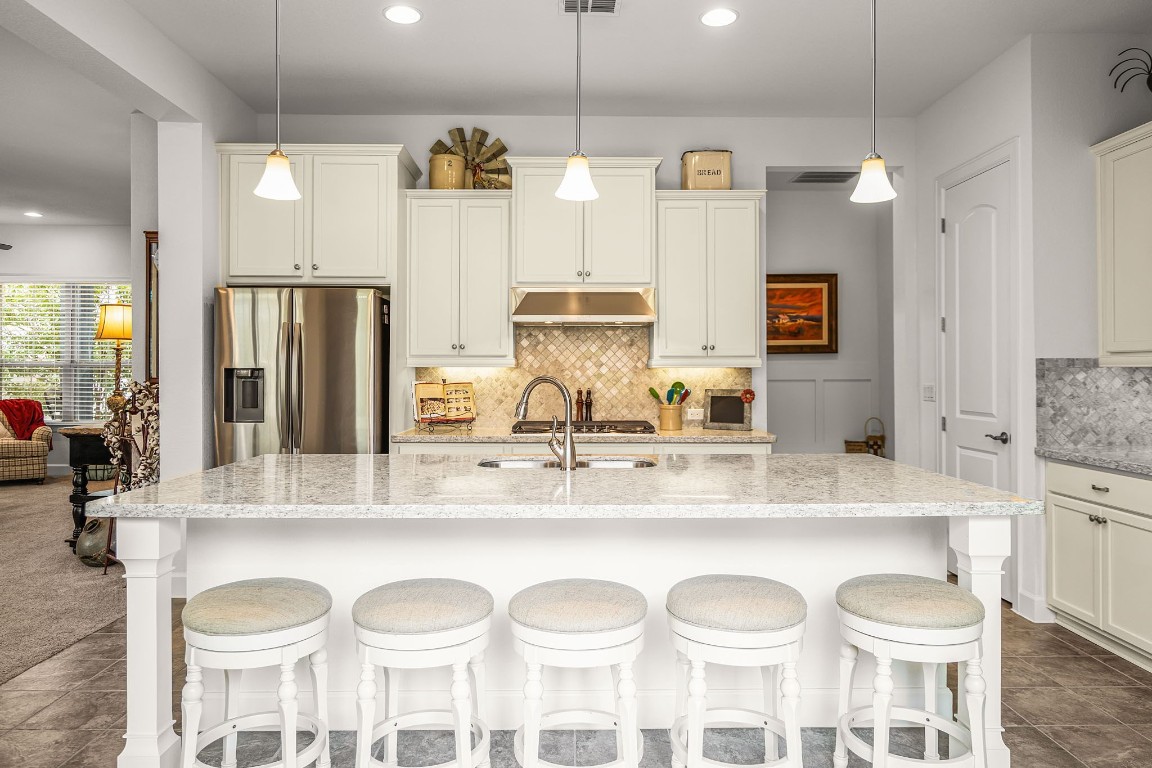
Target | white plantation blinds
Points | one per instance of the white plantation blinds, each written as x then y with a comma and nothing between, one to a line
48,351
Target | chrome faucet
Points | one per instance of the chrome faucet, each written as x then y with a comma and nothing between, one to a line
564,450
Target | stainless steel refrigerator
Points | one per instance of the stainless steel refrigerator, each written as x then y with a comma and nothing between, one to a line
300,370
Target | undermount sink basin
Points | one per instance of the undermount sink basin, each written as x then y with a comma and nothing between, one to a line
593,462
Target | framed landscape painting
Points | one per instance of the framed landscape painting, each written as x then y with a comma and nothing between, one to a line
801,314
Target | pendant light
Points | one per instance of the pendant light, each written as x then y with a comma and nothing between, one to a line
277,183
873,186
577,184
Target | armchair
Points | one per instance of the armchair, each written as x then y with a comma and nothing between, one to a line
23,459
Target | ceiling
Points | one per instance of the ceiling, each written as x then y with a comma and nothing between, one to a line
64,142
781,58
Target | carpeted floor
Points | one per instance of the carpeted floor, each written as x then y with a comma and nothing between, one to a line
48,598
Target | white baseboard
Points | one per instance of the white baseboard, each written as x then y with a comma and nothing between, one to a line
179,584
1033,607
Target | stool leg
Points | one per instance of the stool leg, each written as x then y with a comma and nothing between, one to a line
289,707
627,748
190,706
931,735
392,709
848,656
974,687
771,699
533,711
318,668
365,714
479,684
882,706
683,669
790,699
462,715
697,704
231,710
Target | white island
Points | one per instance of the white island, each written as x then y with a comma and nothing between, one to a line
354,522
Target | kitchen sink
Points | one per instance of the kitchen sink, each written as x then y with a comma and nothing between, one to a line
592,462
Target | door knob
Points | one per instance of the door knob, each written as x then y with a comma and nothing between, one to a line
1000,438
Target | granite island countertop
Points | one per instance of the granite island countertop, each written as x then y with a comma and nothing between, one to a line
1121,458
447,487
503,434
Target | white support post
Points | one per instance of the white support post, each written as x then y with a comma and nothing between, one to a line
981,543
147,547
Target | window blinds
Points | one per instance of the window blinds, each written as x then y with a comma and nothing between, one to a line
48,351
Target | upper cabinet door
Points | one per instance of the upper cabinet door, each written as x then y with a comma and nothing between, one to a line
349,229
548,237
265,237
682,293
735,284
619,227
485,320
433,279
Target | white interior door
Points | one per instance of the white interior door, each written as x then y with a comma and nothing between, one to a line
977,370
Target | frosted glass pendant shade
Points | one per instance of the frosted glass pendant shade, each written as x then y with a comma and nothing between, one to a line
277,183
577,184
873,186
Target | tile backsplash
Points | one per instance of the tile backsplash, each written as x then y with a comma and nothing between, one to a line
612,361
1079,403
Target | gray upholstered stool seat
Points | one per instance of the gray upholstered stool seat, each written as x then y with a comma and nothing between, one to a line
418,606
578,606
736,603
255,606
903,600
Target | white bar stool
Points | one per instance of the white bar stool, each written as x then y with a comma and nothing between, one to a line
580,624
248,625
921,620
737,621
423,624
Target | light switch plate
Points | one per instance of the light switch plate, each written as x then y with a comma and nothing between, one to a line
929,393
694,414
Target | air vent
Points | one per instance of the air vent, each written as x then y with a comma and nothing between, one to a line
824,177
598,7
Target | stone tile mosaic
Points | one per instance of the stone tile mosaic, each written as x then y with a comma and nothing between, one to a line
1081,404
613,362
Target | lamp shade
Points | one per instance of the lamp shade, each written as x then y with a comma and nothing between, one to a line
277,182
577,183
873,186
115,322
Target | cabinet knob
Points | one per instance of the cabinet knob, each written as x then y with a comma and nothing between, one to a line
1101,488
296,266
711,347
579,274
587,273
461,346
454,346
315,267
704,347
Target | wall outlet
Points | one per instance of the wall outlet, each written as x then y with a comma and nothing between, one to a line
694,414
929,393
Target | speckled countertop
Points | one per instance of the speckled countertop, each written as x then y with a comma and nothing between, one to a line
504,434
446,487
1134,459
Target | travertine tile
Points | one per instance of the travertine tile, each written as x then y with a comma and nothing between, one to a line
1079,403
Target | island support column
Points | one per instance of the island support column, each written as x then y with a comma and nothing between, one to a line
147,547
981,544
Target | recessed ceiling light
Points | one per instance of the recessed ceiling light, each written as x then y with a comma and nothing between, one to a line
34,214
719,17
402,14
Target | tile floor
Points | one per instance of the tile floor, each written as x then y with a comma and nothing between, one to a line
1067,704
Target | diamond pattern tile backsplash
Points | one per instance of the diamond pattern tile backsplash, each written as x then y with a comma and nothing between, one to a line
612,361
1079,403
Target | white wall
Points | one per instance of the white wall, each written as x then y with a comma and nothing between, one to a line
143,216
815,402
51,254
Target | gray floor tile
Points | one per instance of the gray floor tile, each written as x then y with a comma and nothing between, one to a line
1131,706
1018,673
1137,673
1114,746
114,678
57,675
97,646
1055,706
1035,642
1079,672
18,706
41,749
1032,749
101,752
82,711
657,749
1081,644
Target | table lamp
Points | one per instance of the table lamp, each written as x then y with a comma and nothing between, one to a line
115,324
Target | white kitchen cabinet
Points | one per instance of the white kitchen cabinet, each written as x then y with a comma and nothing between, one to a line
1124,247
1099,545
709,281
457,272
607,241
346,228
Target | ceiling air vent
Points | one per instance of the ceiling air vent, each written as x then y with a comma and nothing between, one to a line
598,7
824,177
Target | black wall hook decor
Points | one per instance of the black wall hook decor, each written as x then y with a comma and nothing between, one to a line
1138,66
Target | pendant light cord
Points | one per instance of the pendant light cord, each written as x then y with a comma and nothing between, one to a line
579,66
278,74
873,76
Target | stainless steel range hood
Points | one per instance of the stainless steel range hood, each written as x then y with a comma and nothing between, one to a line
548,306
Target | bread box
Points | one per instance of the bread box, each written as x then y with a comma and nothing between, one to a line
706,169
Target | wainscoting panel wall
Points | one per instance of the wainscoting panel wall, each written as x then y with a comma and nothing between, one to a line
812,411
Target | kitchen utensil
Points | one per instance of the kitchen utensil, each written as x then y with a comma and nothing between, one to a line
671,395
652,391
684,396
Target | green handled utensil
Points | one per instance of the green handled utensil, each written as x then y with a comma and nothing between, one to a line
652,391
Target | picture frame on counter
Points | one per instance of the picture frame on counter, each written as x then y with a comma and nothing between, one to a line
727,409
802,314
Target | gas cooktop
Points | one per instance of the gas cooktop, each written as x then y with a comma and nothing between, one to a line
587,427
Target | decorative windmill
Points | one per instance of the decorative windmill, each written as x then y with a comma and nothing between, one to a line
1138,67
485,161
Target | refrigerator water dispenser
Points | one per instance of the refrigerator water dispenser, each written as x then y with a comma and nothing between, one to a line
244,395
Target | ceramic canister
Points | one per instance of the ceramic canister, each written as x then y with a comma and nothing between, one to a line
448,172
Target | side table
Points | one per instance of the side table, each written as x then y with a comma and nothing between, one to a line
86,448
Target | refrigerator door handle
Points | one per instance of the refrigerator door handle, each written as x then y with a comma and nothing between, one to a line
296,373
284,362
